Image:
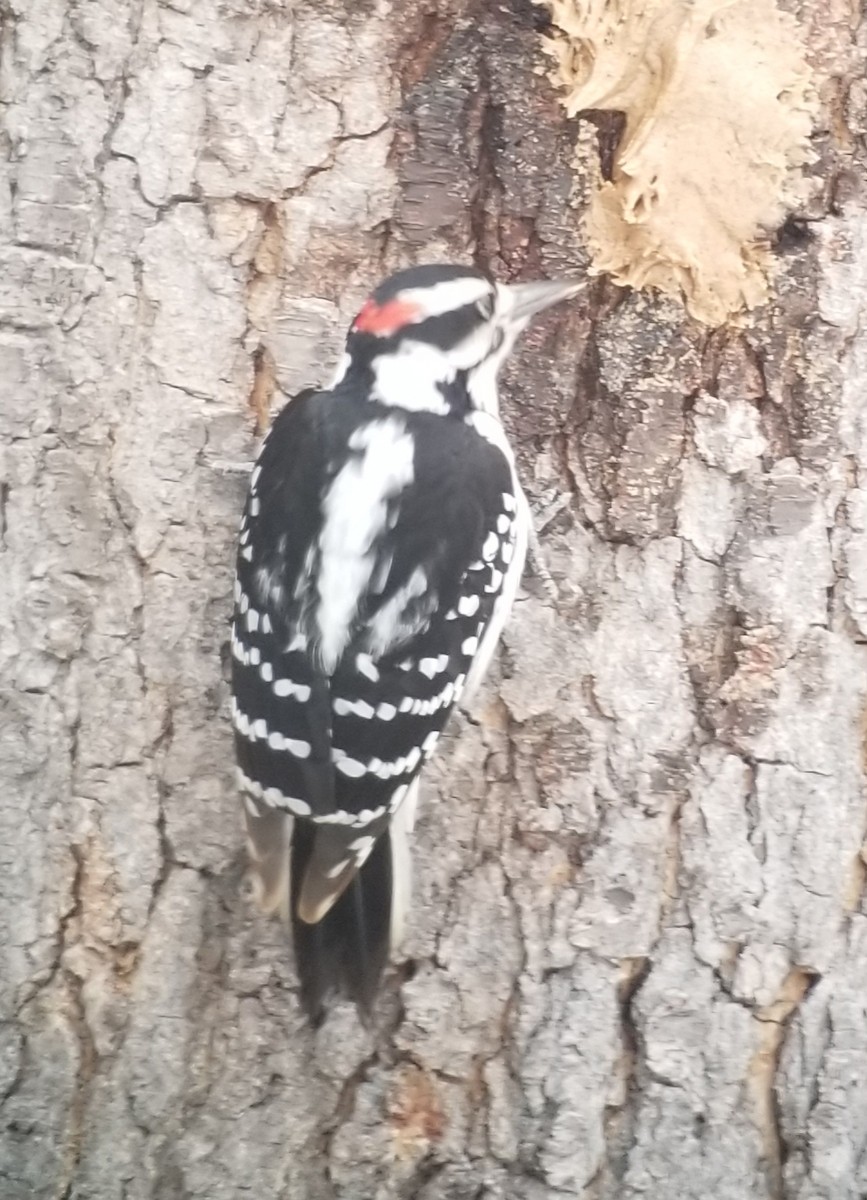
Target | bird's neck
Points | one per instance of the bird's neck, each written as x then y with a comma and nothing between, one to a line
420,378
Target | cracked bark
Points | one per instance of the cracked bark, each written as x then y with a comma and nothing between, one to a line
639,939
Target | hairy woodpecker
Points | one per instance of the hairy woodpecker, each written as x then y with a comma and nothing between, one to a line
381,547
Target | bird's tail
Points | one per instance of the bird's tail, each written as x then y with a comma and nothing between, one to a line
357,923
346,949
345,921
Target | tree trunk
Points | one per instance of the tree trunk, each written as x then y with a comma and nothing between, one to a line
639,940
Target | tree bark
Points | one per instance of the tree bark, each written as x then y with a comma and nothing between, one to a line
639,940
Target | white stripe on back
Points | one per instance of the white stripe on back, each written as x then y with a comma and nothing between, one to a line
355,509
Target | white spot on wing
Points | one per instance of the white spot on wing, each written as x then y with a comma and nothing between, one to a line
367,815
272,796
257,731
365,665
357,820
351,767
355,708
239,650
285,687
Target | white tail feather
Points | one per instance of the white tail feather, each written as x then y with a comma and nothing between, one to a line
269,836
402,825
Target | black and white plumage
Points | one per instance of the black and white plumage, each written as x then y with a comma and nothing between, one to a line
381,546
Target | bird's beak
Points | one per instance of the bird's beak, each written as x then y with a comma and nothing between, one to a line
527,299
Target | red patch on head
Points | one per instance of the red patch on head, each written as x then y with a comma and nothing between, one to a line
382,320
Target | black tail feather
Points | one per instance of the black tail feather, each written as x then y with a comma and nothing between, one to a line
347,950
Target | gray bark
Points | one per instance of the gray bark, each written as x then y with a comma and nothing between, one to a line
639,943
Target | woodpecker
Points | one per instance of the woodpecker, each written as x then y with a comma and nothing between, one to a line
381,547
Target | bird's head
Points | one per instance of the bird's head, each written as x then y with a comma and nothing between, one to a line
426,328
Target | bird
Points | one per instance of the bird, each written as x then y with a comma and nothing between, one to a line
380,550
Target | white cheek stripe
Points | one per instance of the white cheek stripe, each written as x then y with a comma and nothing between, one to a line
409,378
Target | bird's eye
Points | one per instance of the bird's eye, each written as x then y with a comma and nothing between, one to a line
485,307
